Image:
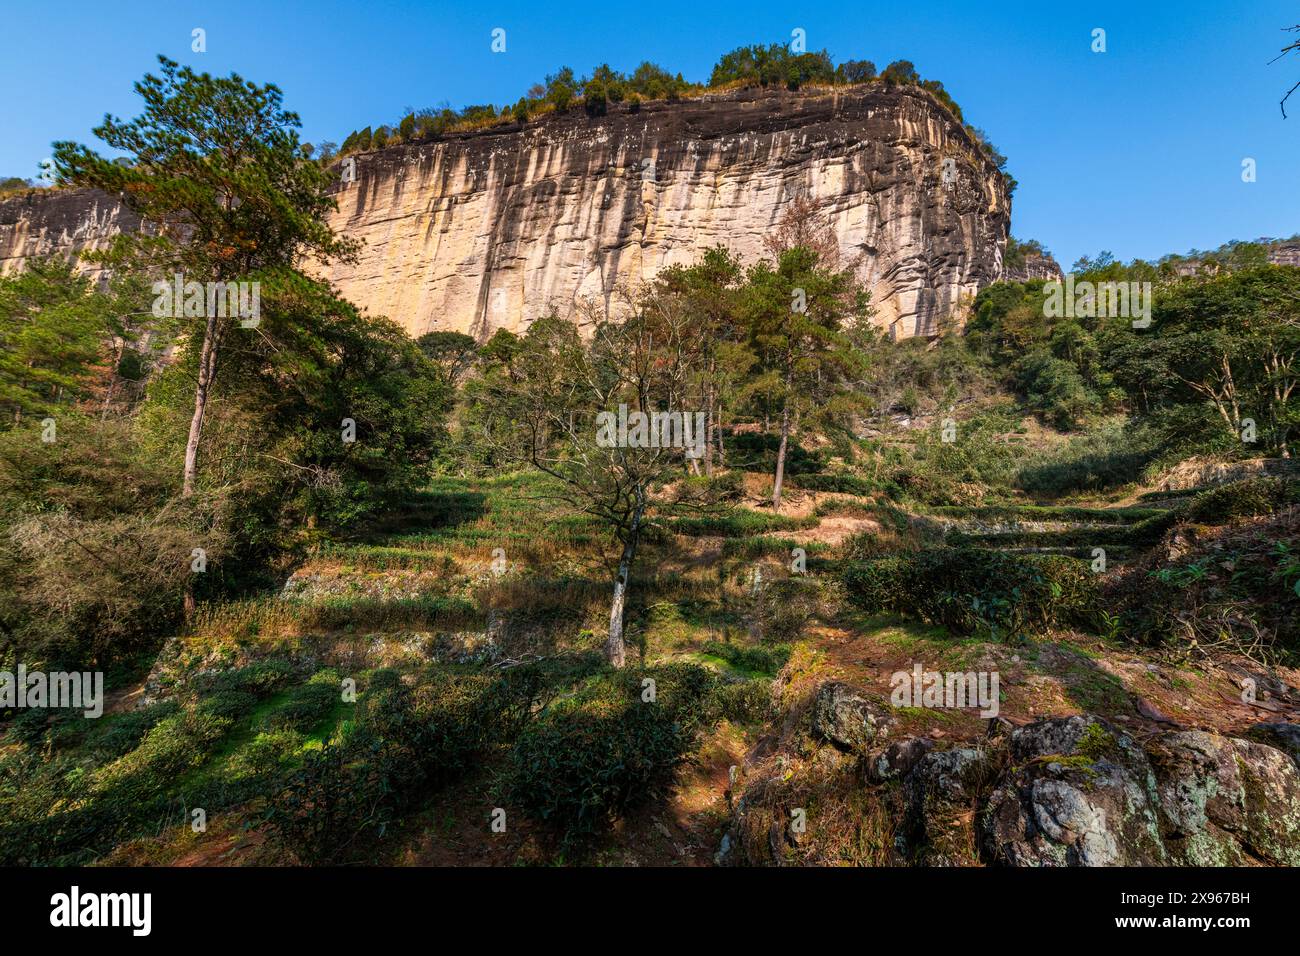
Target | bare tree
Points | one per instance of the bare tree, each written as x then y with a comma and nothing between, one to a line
1293,47
803,224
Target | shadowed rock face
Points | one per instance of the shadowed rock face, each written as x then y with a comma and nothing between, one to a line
45,222
494,229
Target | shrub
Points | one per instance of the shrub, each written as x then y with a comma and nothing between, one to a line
173,745
961,472
782,609
744,702
227,704
756,451
308,703
405,741
259,678
1232,588
739,523
844,484
592,755
126,731
265,754
327,805
1107,458
763,660
1249,498
1150,530
969,590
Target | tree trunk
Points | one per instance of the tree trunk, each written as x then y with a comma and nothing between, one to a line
615,650
708,434
780,459
207,363
112,380
722,449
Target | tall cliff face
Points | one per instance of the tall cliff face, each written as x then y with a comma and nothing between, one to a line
45,222
496,228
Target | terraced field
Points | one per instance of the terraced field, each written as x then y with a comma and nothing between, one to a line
487,601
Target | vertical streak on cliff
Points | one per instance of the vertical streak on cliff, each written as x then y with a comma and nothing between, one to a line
493,229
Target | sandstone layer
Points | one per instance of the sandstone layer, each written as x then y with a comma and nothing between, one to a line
495,228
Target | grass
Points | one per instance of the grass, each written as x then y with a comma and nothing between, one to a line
428,567
275,619
1126,515
740,523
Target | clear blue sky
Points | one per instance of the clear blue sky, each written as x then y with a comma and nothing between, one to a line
1137,150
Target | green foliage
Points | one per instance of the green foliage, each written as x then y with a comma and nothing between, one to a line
958,472
759,660
218,177
973,590
94,553
740,522
52,811
900,72
308,703
1055,388
1249,498
257,679
756,451
1235,589
772,65
95,540
1220,349
1113,455
407,739
52,327
1018,251
844,483
855,71
126,731
593,755
744,701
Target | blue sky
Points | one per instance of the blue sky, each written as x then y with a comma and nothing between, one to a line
1137,150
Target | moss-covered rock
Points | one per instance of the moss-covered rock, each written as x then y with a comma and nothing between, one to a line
1225,801
1079,793
850,719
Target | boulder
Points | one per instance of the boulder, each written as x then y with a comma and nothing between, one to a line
1078,793
1282,735
898,759
848,718
1224,801
940,795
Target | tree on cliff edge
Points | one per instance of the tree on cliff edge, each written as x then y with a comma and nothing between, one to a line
216,171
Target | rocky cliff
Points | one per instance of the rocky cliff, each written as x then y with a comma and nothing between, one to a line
495,228
42,222
1033,266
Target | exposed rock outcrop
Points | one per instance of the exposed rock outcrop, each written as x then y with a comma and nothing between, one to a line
1033,266
1078,793
496,228
44,222
1066,791
848,719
